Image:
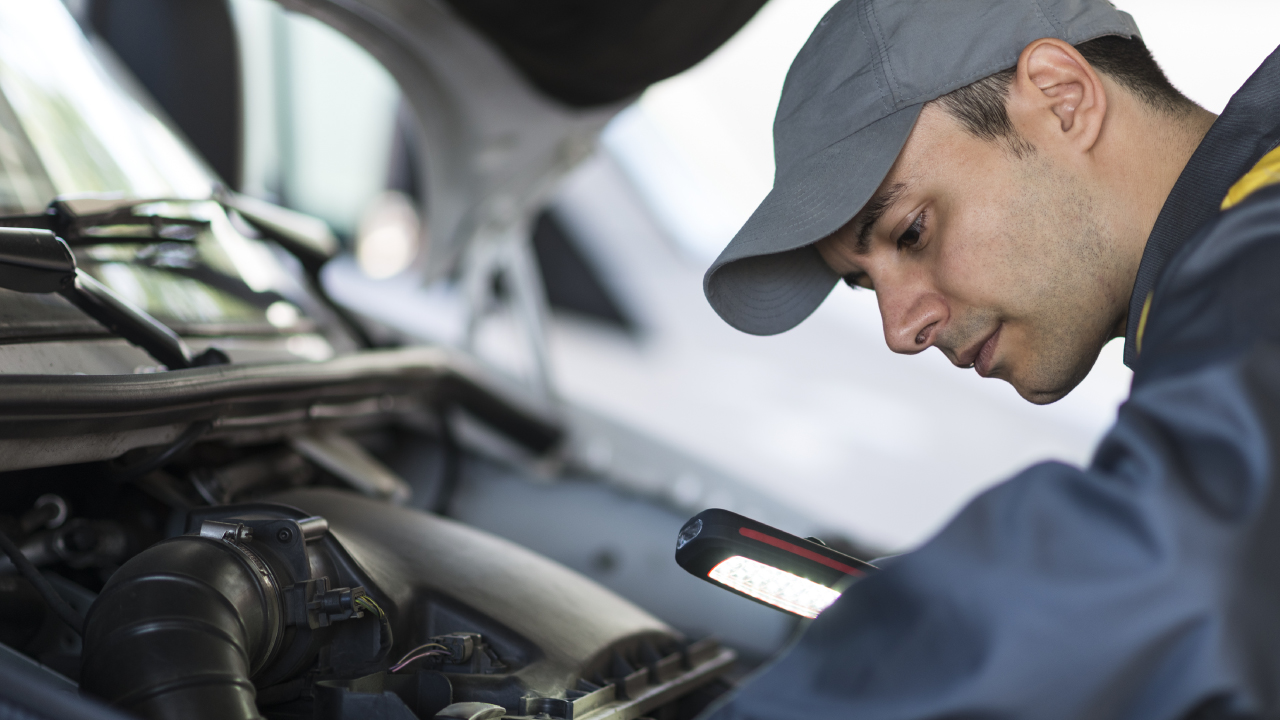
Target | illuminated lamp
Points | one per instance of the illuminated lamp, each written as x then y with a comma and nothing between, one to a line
797,575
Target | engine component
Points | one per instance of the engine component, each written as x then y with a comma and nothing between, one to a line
511,628
261,608
79,543
49,511
464,652
343,457
279,468
181,444
187,627
50,596
180,630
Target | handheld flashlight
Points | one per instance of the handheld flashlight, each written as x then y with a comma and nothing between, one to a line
765,564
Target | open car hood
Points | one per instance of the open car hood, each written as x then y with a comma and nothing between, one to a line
510,94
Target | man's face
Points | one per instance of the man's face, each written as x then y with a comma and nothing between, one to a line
998,260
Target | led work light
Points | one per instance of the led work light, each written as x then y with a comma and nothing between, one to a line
764,564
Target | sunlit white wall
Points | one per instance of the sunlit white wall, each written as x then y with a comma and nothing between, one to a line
699,149
1208,49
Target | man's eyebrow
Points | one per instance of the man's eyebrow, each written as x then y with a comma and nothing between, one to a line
871,214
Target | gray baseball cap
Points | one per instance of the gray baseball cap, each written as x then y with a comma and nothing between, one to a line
848,104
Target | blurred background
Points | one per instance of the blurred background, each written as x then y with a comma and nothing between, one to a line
823,419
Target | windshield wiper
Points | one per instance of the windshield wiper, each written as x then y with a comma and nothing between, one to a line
37,261
89,220
95,220
306,238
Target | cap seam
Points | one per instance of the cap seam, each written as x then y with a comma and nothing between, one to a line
1051,18
882,52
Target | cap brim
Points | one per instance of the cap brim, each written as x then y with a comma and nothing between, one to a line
770,277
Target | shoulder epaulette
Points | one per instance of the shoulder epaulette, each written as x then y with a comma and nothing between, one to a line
1266,172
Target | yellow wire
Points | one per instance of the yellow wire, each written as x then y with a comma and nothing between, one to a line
369,603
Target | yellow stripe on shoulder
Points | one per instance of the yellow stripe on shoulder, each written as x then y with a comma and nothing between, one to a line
1142,320
1266,172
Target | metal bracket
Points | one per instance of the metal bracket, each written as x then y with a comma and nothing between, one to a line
230,532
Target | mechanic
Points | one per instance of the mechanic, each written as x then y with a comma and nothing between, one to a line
1019,183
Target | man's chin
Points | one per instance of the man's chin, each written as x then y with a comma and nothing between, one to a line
1044,393
1042,397
1041,378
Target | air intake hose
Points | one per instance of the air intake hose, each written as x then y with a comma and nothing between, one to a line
179,631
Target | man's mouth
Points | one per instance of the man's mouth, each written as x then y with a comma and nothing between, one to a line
981,355
987,353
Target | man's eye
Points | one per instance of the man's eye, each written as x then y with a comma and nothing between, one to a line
858,281
911,236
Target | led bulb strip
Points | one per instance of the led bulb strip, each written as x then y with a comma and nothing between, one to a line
776,587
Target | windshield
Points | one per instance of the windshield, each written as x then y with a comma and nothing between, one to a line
66,128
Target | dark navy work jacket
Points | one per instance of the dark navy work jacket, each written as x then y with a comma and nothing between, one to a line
1144,586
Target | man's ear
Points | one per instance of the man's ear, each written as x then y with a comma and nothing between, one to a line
1057,96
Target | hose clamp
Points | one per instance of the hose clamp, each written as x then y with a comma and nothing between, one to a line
237,537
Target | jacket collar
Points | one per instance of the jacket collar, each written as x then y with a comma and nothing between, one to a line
1248,128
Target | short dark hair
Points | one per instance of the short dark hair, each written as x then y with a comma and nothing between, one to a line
980,106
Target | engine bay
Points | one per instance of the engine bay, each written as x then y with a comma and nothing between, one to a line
303,597
227,495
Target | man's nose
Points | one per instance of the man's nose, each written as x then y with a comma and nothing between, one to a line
912,319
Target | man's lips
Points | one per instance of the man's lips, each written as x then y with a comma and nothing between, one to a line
987,354
980,355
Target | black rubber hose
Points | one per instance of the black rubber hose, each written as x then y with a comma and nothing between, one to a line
33,576
179,631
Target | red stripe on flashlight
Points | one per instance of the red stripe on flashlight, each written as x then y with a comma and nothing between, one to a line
797,550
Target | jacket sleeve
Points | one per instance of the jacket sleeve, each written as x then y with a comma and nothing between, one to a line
1145,586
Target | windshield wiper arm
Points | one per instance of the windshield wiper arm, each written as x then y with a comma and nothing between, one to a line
308,239
35,260
97,220
88,220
